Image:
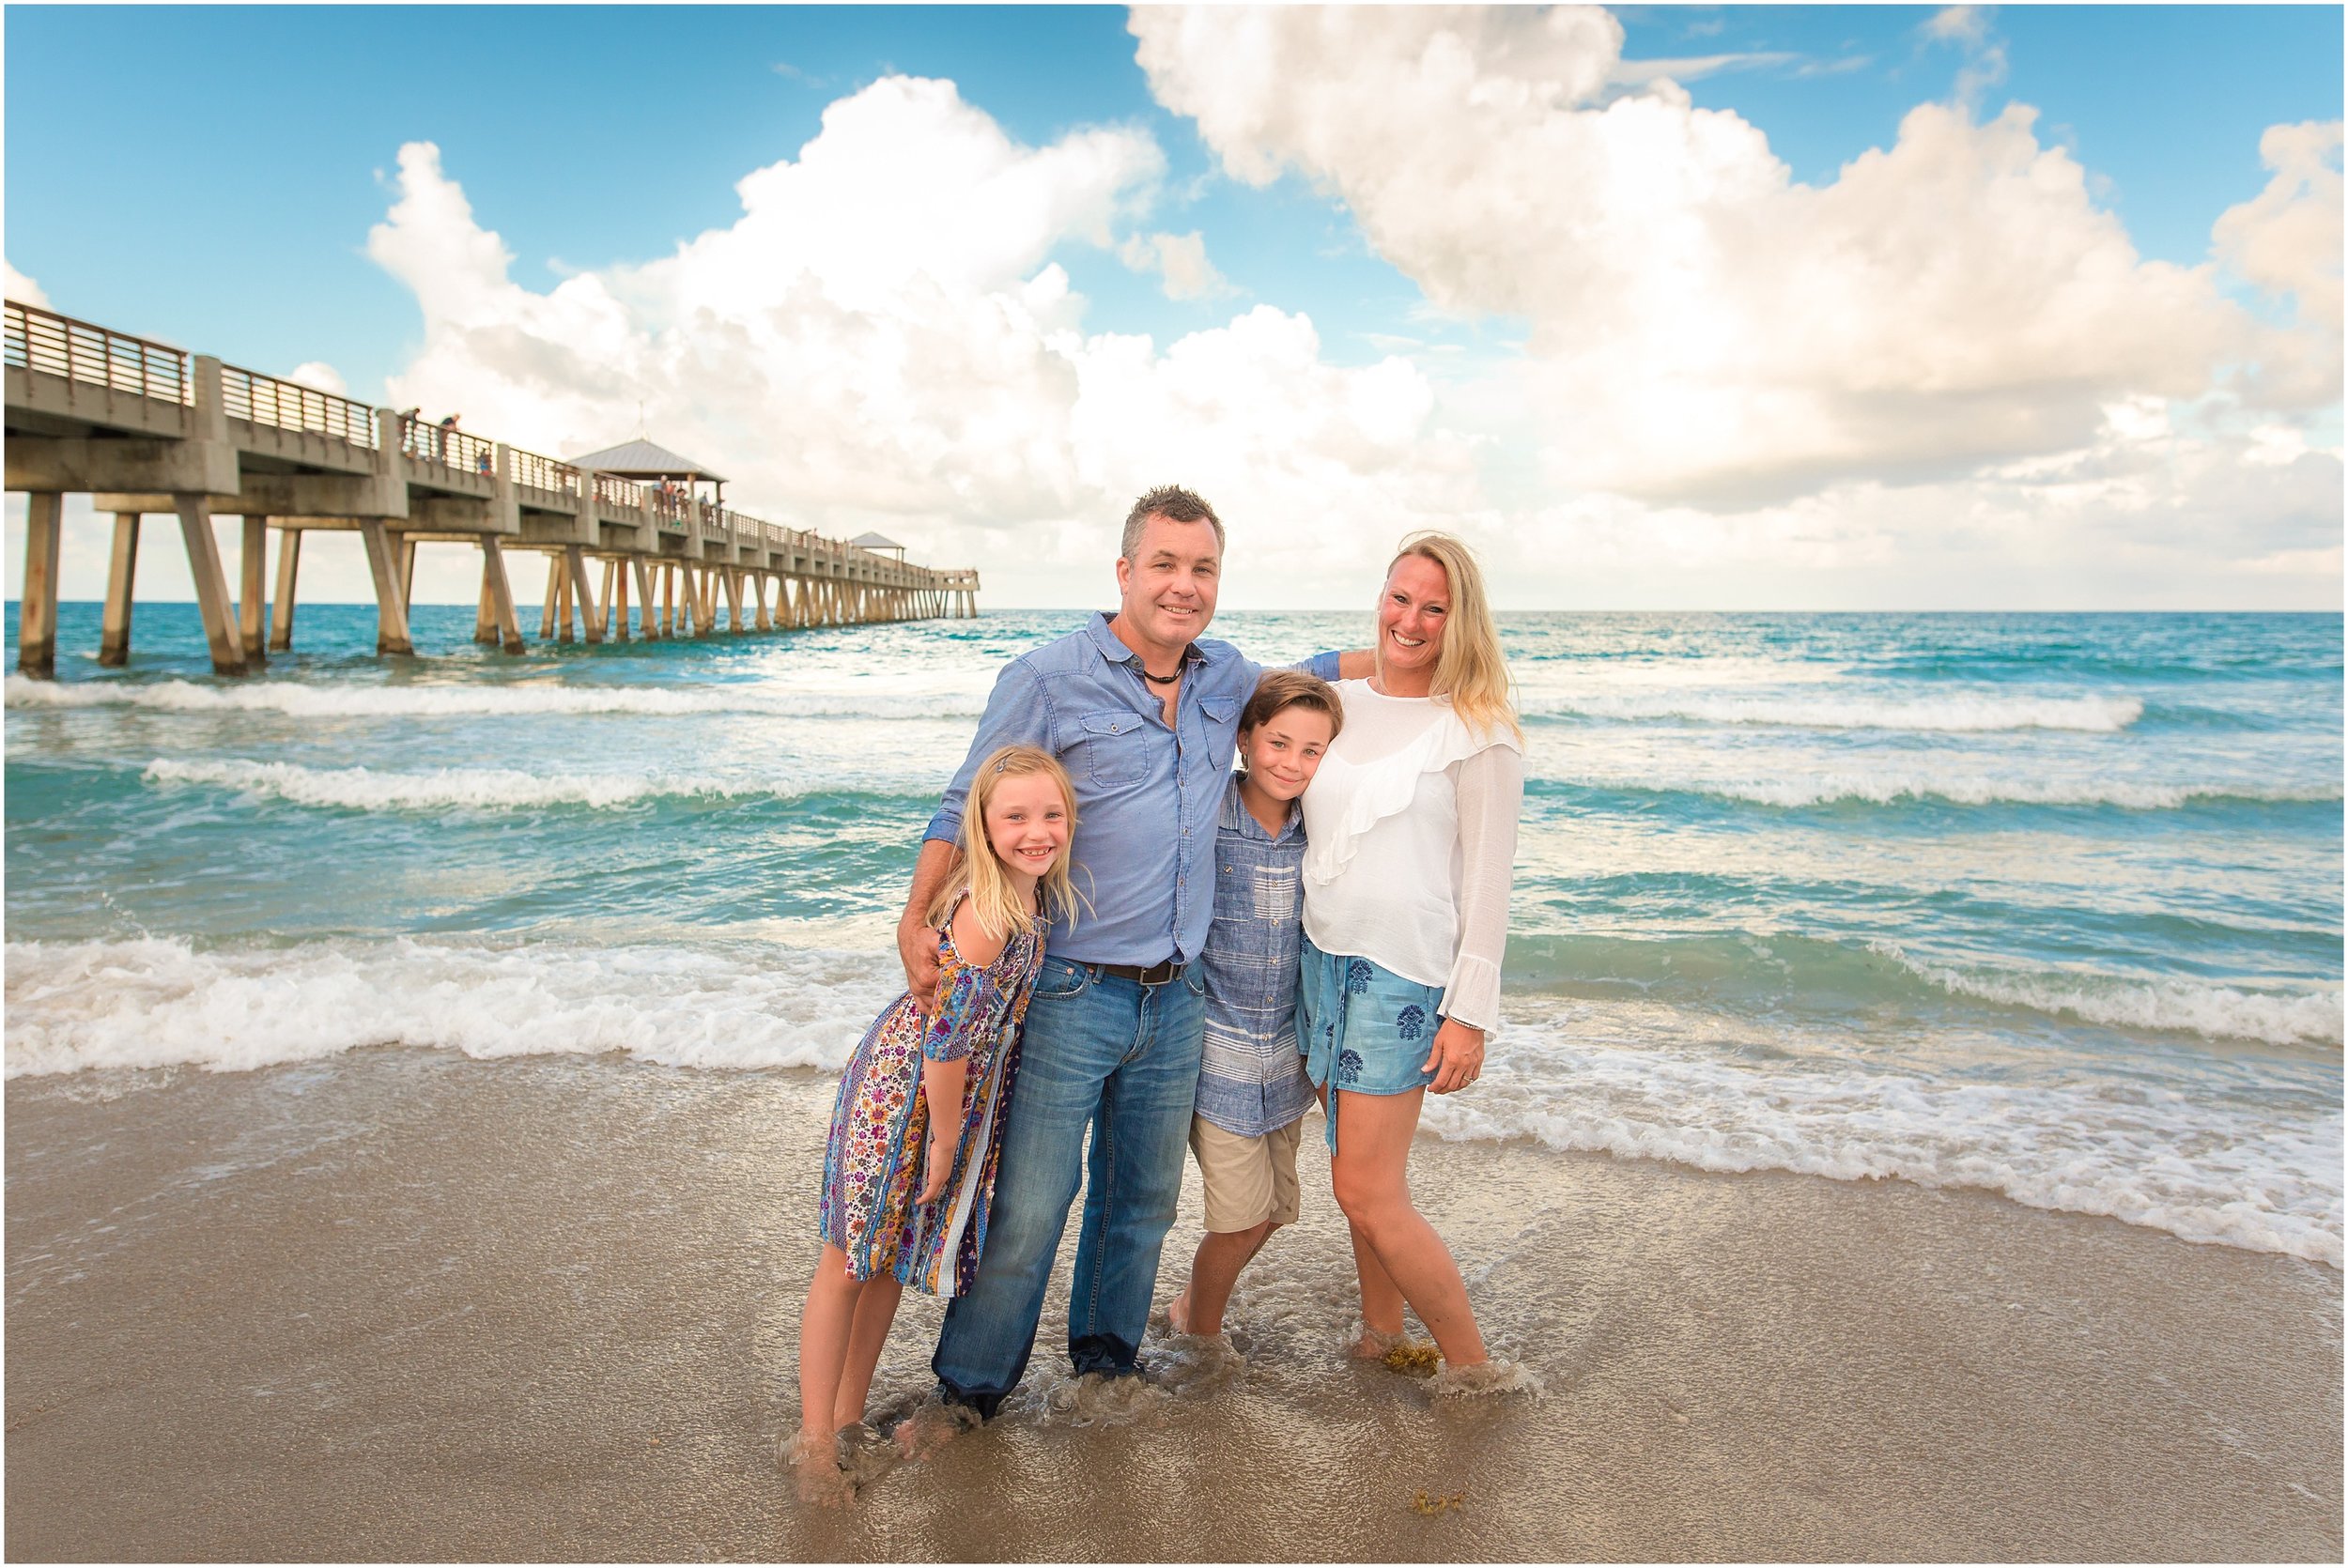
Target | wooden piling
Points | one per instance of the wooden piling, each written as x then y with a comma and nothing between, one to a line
407,571
391,611
501,597
211,583
251,601
37,611
643,596
554,586
590,617
484,620
289,567
114,630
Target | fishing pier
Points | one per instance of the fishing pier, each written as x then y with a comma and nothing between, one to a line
144,428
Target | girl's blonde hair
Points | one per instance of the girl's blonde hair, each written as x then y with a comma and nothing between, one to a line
1471,670
975,865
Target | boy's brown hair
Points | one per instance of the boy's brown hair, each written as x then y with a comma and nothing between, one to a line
1282,689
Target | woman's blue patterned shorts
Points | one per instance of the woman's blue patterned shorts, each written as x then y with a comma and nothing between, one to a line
1362,1029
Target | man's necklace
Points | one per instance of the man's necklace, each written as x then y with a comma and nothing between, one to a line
1158,680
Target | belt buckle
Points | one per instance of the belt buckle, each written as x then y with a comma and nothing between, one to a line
1164,970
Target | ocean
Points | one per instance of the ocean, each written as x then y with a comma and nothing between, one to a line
2045,905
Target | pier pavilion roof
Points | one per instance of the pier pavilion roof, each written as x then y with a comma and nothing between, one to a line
877,542
645,459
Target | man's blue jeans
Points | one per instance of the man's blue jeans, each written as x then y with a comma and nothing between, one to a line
1122,1058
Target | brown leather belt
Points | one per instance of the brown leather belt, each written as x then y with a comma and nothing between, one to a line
1155,974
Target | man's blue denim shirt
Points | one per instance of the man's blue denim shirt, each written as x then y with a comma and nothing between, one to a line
1148,797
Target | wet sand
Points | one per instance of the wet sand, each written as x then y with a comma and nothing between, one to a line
401,1304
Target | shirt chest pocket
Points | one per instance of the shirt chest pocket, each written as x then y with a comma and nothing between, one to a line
1115,751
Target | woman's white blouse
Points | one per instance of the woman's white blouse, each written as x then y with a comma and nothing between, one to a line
1411,829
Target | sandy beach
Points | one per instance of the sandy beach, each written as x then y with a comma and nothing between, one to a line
402,1304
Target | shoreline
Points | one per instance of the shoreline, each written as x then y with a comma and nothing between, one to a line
2038,1115
402,1304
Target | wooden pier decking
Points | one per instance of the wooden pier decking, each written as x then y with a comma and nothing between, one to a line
142,427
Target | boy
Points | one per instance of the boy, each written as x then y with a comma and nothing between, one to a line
1252,1088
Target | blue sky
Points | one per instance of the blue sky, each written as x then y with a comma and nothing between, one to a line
222,199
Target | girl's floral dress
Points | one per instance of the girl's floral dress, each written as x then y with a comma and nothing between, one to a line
873,1162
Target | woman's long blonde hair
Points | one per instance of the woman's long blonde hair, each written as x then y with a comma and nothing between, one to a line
976,868
1471,670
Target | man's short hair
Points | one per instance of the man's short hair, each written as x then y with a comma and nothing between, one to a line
1171,502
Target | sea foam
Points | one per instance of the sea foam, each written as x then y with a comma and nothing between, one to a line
2243,1176
1952,712
164,1003
1636,1084
363,788
2183,1006
1832,788
353,700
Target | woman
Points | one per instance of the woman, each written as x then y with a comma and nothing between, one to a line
1411,825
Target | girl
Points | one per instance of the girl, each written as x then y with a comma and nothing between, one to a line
909,1167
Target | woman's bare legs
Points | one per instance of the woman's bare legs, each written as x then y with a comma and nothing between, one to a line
1395,1249
1381,1299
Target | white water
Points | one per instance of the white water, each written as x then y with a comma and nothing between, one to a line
474,789
1939,714
845,698
2212,1011
349,700
1956,788
1635,1080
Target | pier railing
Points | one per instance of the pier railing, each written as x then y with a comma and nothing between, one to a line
666,508
42,340
83,354
258,399
451,447
541,473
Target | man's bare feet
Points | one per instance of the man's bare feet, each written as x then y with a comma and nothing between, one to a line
932,1424
1177,1313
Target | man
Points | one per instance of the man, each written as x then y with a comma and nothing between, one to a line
1144,717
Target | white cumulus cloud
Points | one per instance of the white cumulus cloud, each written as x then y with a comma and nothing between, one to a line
318,374
24,290
2286,240
1706,329
883,340
1180,260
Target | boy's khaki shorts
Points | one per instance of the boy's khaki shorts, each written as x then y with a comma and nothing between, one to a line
1248,1181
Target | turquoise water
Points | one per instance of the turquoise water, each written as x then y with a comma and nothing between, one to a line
2046,904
